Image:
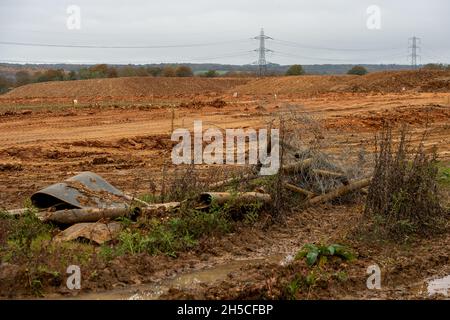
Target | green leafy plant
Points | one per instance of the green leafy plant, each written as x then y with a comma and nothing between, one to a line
319,254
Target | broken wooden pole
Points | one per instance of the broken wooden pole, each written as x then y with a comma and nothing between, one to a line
159,208
16,212
302,191
231,180
72,216
131,198
297,167
221,198
338,192
331,174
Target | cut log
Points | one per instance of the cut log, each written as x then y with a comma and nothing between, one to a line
339,192
159,207
131,198
19,212
297,167
231,180
73,216
294,188
223,197
330,174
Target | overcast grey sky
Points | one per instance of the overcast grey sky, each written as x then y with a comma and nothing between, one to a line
305,32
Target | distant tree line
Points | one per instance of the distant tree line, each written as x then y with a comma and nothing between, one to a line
24,77
437,66
97,71
5,84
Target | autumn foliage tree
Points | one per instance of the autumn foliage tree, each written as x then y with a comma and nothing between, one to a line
357,70
183,71
23,77
295,70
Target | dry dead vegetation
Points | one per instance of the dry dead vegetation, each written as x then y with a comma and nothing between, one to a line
340,202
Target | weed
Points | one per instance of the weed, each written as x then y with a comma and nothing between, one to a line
170,236
320,254
293,287
26,232
444,176
403,194
149,198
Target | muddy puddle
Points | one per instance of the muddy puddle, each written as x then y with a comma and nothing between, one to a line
433,287
188,280
439,286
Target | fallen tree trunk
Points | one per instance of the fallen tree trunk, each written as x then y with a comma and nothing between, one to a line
223,197
159,207
297,167
131,198
72,216
16,213
338,192
330,174
294,188
231,180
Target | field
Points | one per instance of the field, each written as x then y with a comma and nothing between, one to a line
120,129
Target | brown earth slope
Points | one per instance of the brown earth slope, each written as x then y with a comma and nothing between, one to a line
120,87
377,82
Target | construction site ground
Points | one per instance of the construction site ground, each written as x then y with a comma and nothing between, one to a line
45,138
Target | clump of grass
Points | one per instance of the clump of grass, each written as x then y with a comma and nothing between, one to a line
25,243
178,233
23,232
444,176
403,197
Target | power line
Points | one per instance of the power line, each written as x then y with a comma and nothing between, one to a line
332,59
304,46
230,55
433,56
262,50
53,45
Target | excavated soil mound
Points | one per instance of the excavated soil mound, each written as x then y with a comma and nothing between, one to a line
398,81
124,87
141,88
377,82
293,85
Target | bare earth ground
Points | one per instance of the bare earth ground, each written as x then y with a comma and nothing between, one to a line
129,144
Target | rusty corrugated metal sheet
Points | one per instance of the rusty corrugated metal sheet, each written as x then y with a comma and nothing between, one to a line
85,190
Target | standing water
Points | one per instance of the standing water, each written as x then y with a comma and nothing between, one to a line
439,286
